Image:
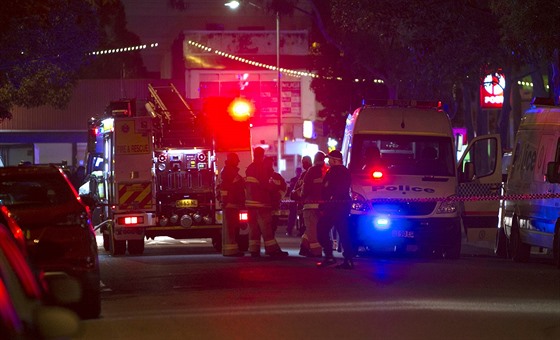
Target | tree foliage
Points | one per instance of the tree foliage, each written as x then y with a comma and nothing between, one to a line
426,50
115,35
44,44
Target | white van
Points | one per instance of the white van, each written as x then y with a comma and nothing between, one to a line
534,172
402,158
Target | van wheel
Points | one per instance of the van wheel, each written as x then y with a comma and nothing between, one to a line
520,251
556,246
500,247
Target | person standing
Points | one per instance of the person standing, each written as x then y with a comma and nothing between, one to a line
335,211
296,208
278,187
258,201
310,197
292,206
232,193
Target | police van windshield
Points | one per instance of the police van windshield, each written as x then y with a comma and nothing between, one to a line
403,155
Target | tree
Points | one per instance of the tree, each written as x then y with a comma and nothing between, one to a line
421,50
528,30
115,35
44,45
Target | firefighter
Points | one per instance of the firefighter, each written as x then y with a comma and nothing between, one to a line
232,193
292,206
311,196
335,211
295,195
278,188
259,187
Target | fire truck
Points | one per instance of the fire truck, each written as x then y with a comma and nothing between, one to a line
154,170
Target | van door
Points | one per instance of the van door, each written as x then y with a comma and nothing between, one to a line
480,174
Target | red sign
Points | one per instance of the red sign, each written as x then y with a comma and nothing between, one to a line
492,91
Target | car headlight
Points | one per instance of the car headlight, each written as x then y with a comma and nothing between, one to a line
359,202
447,207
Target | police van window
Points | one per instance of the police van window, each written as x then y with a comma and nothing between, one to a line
404,155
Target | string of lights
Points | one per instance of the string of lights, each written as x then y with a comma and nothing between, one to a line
293,73
124,49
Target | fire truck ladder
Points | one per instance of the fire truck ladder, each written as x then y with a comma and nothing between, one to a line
169,100
176,115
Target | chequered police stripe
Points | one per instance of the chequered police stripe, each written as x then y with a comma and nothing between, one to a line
476,189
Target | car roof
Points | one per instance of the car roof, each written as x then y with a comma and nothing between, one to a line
29,170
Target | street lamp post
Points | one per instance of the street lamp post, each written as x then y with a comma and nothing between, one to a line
279,90
236,4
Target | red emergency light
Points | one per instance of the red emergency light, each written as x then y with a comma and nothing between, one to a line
241,109
377,174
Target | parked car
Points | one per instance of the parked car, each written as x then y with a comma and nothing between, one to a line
57,228
24,312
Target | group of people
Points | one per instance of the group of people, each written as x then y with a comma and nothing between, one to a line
260,192
321,190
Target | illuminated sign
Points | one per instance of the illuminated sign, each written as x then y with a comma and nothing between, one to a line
492,91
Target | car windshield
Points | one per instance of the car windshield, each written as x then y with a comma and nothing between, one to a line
403,154
34,191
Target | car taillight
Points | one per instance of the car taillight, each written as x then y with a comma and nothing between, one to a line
78,218
130,220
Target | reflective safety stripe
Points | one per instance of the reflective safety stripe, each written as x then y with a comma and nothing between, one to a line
314,245
318,180
251,203
311,206
135,195
270,243
230,249
251,180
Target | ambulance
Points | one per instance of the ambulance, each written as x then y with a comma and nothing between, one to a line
405,182
531,211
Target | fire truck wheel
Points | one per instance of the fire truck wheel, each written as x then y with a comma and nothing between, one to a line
118,247
217,243
136,247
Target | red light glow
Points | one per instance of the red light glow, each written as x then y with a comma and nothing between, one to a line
377,174
243,216
241,109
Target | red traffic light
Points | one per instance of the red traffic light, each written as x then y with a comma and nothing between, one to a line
241,109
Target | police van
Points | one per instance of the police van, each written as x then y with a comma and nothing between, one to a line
402,158
531,212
